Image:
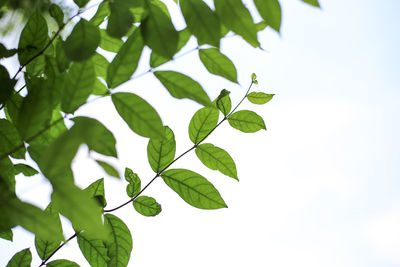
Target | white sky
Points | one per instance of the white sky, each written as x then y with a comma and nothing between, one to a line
320,188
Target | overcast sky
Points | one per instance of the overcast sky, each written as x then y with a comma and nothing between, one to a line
320,187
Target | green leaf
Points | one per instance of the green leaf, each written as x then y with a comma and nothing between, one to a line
100,65
81,44
7,175
270,11
79,85
110,170
120,20
223,102
140,116
194,189
7,86
33,37
119,242
102,12
158,31
110,43
7,235
161,152
36,66
182,86
126,61
62,263
5,53
202,123
55,81
134,186
216,158
246,121
147,206
10,140
62,60
259,98
201,21
94,250
99,88
312,2
25,169
218,64
21,259
81,3
235,16
57,14
96,190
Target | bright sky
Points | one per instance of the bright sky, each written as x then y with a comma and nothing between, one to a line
321,187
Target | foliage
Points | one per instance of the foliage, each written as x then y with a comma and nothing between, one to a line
60,75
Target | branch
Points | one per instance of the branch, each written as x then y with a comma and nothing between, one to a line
59,247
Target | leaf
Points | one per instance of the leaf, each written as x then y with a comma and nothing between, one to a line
246,121
161,152
119,242
94,250
223,102
147,206
62,263
7,175
218,64
110,170
120,19
182,86
202,123
138,114
312,2
81,44
201,21
36,66
7,235
79,85
259,98
33,37
270,11
216,158
25,169
194,189
7,85
100,64
55,81
102,12
134,186
99,88
10,140
81,3
57,14
126,61
158,31
5,53
110,43
21,259
62,61
96,190
235,16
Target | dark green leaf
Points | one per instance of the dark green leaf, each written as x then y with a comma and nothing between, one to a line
81,44
102,12
312,2
10,140
126,61
161,152
119,242
4,52
109,43
270,11
138,114
147,206
223,102
81,3
259,98
21,259
96,189
7,175
100,65
216,158
57,14
94,250
55,81
201,21
235,16
182,86
134,186
120,19
110,170
62,263
7,235
202,123
194,189
246,121
62,61
25,169
218,64
7,85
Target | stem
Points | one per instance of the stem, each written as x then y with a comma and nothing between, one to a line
54,252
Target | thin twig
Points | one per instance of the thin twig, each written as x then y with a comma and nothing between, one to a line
59,247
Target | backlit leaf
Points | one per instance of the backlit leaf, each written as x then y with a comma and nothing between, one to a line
21,259
100,65
194,189
102,12
110,170
246,121
120,19
134,186
147,206
99,88
7,235
202,123
81,3
223,102
270,11
55,81
10,140
62,263
7,85
56,12
110,43
259,98
218,64
161,152
25,169
96,190
312,2
94,250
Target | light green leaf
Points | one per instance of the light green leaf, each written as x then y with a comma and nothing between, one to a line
21,259
81,3
100,65
7,174
102,12
218,64
223,102
216,158
62,60
270,11
96,190
259,98
110,170
201,21
202,123
119,242
182,86
57,14
110,43
147,206
33,37
10,139
79,85
94,250
158,31
246,121
161,152
312,2
140,116
126,61
120,20
194,189
55,81
62,263
134,186
99,88
235,16
25,169
81,44
7,235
